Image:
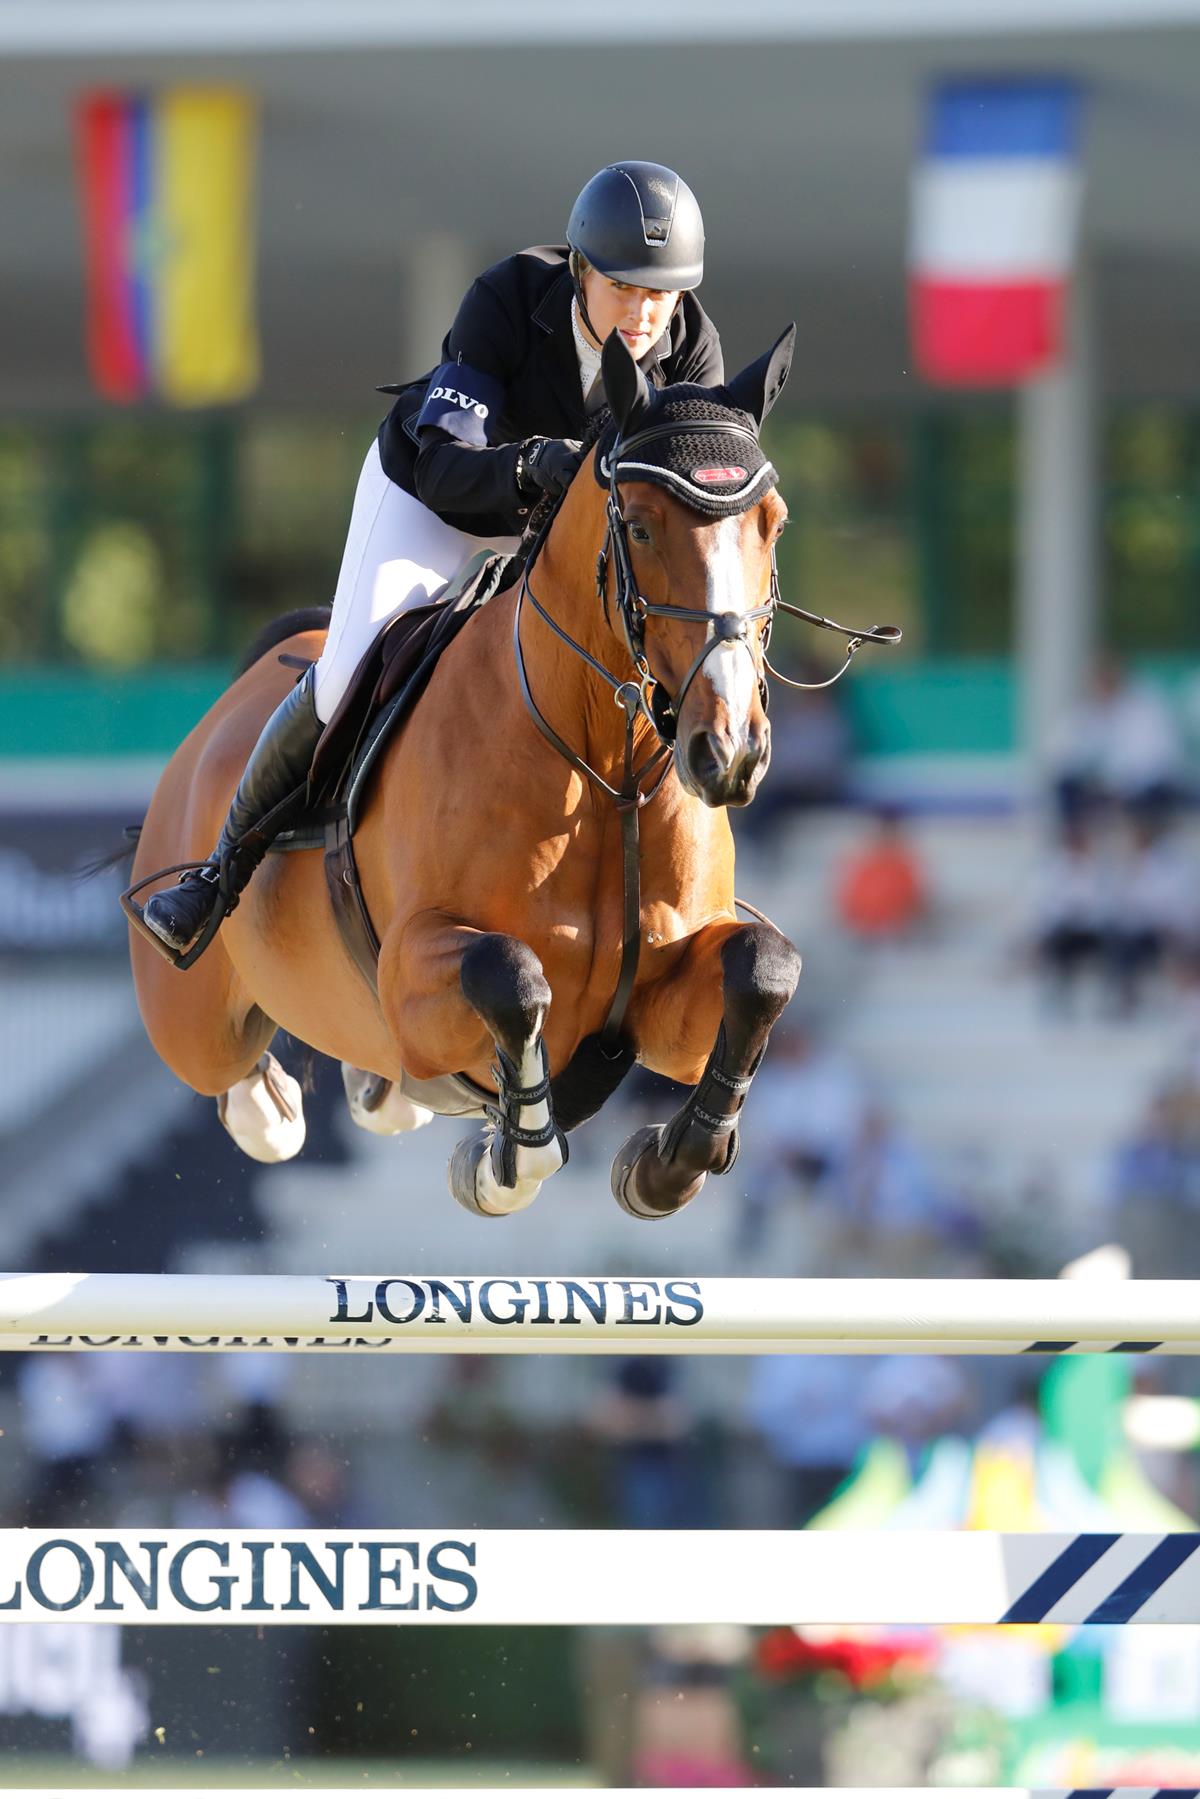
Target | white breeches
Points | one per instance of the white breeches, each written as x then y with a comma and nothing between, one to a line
397,554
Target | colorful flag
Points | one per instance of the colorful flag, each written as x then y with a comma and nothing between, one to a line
167,185
995,208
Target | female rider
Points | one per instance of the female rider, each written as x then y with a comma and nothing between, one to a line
467,451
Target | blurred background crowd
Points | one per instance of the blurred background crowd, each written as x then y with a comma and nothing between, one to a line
985,846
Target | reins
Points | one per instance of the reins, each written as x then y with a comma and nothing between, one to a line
645,693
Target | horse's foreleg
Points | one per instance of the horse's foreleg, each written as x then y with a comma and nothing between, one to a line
755,969
468,982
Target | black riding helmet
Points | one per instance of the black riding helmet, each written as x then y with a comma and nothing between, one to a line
638,222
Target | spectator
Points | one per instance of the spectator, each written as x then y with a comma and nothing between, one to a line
643,1421
1153,918
882,890
807,1103
804,1110
68,1430
916,1399
1120,747
810,756
888,1199
808,1410
1155,1183
1073,907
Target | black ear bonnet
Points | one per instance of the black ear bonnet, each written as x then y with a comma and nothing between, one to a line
718,472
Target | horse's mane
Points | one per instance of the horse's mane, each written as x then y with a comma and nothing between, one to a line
544,513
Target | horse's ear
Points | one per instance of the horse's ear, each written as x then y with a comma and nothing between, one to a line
758,387
625,386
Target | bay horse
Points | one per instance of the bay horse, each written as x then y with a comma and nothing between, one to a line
495,854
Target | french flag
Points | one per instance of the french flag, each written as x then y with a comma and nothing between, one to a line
995,208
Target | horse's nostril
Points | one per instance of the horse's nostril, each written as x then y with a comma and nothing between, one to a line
708,759
726,773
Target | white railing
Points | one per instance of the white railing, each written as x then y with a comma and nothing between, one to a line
586,1315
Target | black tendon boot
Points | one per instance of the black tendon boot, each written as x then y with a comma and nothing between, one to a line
278,765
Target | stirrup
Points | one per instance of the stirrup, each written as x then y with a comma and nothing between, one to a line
224,902
229,889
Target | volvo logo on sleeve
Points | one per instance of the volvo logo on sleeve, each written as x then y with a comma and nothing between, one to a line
459,399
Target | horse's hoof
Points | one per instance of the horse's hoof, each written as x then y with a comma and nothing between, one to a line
472,1177
378,1105
645,1186
264,1112
465,1160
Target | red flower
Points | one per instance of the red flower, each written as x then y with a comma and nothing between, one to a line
786,1654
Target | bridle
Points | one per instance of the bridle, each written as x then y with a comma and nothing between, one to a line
728,627
663,709
646,694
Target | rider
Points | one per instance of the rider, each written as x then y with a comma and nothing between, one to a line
466,452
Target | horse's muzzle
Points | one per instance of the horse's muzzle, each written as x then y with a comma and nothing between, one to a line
721,772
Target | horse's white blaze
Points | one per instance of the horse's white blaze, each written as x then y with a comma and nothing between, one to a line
264,1114
533,1165
729,670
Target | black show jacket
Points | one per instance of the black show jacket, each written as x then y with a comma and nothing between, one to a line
509,371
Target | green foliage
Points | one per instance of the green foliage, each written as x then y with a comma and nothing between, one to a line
1152,530
849,549
139,539
128,540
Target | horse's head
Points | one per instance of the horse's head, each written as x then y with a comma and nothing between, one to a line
688,567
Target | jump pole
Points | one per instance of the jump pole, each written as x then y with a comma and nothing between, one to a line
408,1575
589,1315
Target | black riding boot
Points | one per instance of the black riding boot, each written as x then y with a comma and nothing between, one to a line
278,765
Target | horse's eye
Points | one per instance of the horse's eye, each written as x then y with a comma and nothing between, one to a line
638,531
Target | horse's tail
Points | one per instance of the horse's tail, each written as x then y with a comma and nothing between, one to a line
289,624
278,630
106,859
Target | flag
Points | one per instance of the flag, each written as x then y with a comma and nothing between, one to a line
167,190
995,203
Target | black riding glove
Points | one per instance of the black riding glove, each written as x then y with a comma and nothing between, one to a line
547,465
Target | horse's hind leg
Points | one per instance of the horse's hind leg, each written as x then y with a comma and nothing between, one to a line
661,1167
379,1105
501,1166
264,1112
210,1034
